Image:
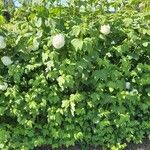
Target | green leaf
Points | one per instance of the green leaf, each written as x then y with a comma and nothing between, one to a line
72,105
1,146
65,103
38,22
33,105
45,56
78,135
76,97
128,21
87,46
1,20
61,81
77,44
36,44
2,110
76,31
122,48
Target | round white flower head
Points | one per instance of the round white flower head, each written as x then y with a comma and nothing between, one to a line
2,42
127,85
3,87
6,60
58,41
105,29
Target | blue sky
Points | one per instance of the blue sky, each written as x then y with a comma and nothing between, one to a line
18,4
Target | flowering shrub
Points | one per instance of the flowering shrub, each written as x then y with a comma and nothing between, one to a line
82,77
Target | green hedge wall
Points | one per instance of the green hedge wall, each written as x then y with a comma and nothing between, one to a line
76,74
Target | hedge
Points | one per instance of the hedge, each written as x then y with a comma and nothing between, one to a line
75,74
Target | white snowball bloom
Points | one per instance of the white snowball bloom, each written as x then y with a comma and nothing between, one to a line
2,42
6,60
128,85
105,29
58,41
3,87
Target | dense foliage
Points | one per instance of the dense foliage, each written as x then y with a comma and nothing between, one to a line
75,74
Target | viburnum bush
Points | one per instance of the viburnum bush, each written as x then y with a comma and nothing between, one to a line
75,74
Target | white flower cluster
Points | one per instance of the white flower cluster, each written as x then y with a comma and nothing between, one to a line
58,41
105,29
128,85
3,87
2,42
6,60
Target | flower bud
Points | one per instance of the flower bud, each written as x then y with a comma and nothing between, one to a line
58,41
105,29
2,42
6,60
